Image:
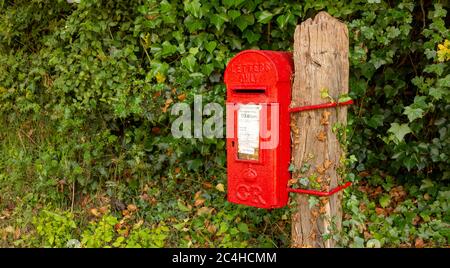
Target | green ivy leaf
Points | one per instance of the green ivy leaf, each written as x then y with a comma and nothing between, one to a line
312,201
438,69
251,36
283,20
232,3
426,184
373,243
218,20
444,82
194,164
376,121
233,14
264,17
182,207
344,98
291,167
193,7
358,242
168,49
189,62
243,227
304,181
210,46
399,131
244,21
385,200
413,113
324,93
437,93
207,69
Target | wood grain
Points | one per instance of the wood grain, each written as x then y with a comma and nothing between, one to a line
321,62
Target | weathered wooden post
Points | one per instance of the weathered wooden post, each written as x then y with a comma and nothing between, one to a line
321,73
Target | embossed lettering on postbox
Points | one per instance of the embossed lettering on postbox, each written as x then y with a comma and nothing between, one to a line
251,73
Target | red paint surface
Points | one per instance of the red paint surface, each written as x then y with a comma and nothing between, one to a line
265,78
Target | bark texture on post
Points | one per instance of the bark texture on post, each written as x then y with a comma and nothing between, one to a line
321,65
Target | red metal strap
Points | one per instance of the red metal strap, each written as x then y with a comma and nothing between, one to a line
315,107
320,193
319,106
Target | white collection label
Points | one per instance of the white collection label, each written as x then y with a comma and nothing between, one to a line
248,131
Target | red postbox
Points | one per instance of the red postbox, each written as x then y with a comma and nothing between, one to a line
258,133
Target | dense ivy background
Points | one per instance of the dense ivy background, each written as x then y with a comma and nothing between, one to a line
86,90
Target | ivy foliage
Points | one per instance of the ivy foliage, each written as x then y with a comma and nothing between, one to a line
89,85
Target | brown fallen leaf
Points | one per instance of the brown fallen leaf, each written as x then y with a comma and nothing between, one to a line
103,209
94,212
325,117
131,207
181,97
138,224
166,105
204,210
323,210
295,129
320,169
156,130
126,231
199,202
153,200
17,234
212,229
319,179
157,94
145,197
376,192
197,195
207,185
321,136
362,206
418,243
5,214
327,164
151,17
363,174
379,211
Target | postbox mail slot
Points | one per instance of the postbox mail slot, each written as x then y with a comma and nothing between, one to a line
250,91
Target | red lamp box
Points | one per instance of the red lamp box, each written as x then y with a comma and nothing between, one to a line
258,86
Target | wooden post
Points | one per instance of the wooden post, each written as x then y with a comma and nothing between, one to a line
321,67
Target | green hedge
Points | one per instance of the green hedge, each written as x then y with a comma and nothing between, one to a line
91,83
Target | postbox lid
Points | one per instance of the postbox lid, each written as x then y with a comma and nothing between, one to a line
259,67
